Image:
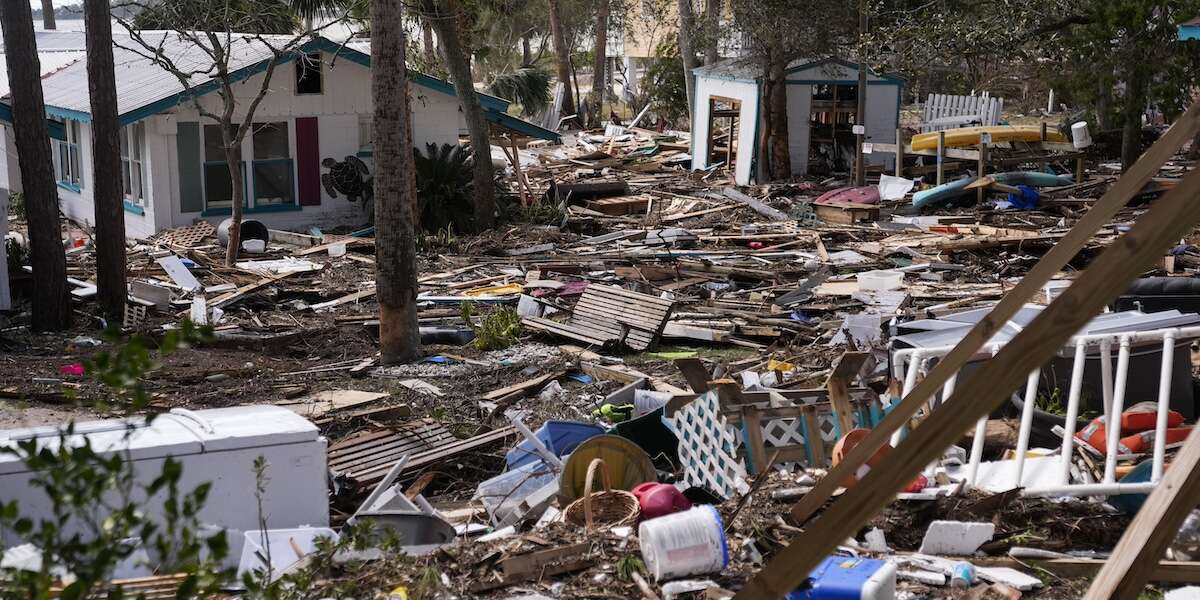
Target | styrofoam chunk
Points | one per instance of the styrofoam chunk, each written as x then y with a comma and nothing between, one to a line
956,538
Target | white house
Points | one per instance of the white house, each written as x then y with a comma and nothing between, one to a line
173,168
821,106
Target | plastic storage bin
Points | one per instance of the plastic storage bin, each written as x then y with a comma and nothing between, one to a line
504,495
561,437
849,578
879,281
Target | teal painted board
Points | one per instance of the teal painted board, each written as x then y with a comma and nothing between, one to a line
191,185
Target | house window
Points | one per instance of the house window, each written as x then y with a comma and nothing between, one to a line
67,164
366,132
218,185
308,73
272,165
132,173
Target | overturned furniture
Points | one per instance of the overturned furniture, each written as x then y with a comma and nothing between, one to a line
608,315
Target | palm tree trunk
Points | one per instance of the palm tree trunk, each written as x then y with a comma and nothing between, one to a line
564,58
395,189
48,15
687,27
600,66
51,305
106,162
445,15
427,39
712,31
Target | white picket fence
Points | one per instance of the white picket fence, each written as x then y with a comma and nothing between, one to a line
943,111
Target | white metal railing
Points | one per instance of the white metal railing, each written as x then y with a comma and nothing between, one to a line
909,363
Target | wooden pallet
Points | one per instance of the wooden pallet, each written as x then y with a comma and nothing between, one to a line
608,314
189,236
621,205
846,213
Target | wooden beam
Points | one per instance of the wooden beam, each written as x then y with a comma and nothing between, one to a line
1157,523
1172,216
695,373
1052,262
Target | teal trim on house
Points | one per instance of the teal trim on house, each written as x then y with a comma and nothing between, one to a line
848,65
521,126
66,113
319,44
270,208
133,208
1189,32
68,186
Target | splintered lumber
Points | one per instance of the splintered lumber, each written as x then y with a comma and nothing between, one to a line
1167,571
756,205
344,299
519,390
1157,523
1173,215
608,314
226,299
322,403
621,205
1051,263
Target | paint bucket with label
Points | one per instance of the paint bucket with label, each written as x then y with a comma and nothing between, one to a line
691,542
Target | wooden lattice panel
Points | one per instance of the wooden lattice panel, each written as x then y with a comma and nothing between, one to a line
708,447
188,236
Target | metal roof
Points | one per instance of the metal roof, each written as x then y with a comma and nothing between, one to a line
56,49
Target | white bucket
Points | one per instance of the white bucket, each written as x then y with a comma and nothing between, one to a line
336,250
648,401
691,542
1080,136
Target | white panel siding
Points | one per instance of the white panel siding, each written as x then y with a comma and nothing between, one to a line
747,93
881,121
799,105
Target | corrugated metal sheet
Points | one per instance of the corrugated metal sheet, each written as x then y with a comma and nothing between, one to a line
56,49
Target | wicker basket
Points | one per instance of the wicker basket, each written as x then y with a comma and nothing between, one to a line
607,508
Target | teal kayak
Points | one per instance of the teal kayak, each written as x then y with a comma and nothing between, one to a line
957,189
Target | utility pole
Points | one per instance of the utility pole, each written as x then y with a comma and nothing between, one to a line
860,169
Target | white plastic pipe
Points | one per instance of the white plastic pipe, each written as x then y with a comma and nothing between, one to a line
1113,423
1164,405
1073,395
910,381
977,442
1092,489
1030,398
1106,375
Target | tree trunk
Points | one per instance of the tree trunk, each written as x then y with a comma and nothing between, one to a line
712,31
600,66
445,15
395,189
427,39
564,58
687,50
230,144
526,53
1131,132
780,165
48,15
106,162
51,305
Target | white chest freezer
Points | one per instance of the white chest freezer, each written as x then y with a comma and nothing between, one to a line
217,446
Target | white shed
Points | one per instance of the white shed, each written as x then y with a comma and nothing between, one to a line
822,104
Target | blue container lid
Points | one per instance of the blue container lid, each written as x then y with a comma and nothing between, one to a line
838,578
561,437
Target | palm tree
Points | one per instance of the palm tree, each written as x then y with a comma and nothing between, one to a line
51,305
395,189
445,16
106,162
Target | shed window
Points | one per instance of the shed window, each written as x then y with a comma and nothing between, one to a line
308,73
132,172
67,164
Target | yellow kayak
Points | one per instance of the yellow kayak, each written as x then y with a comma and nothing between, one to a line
969,136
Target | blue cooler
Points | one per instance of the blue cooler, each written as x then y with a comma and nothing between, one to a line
560,437
849,578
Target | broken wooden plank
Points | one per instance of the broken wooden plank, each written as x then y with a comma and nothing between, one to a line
1170,217
1051,263
1157,523
323,403
756,205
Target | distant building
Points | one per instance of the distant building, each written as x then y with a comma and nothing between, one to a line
821,106
173,167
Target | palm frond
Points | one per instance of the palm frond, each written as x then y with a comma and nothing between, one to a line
527,86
